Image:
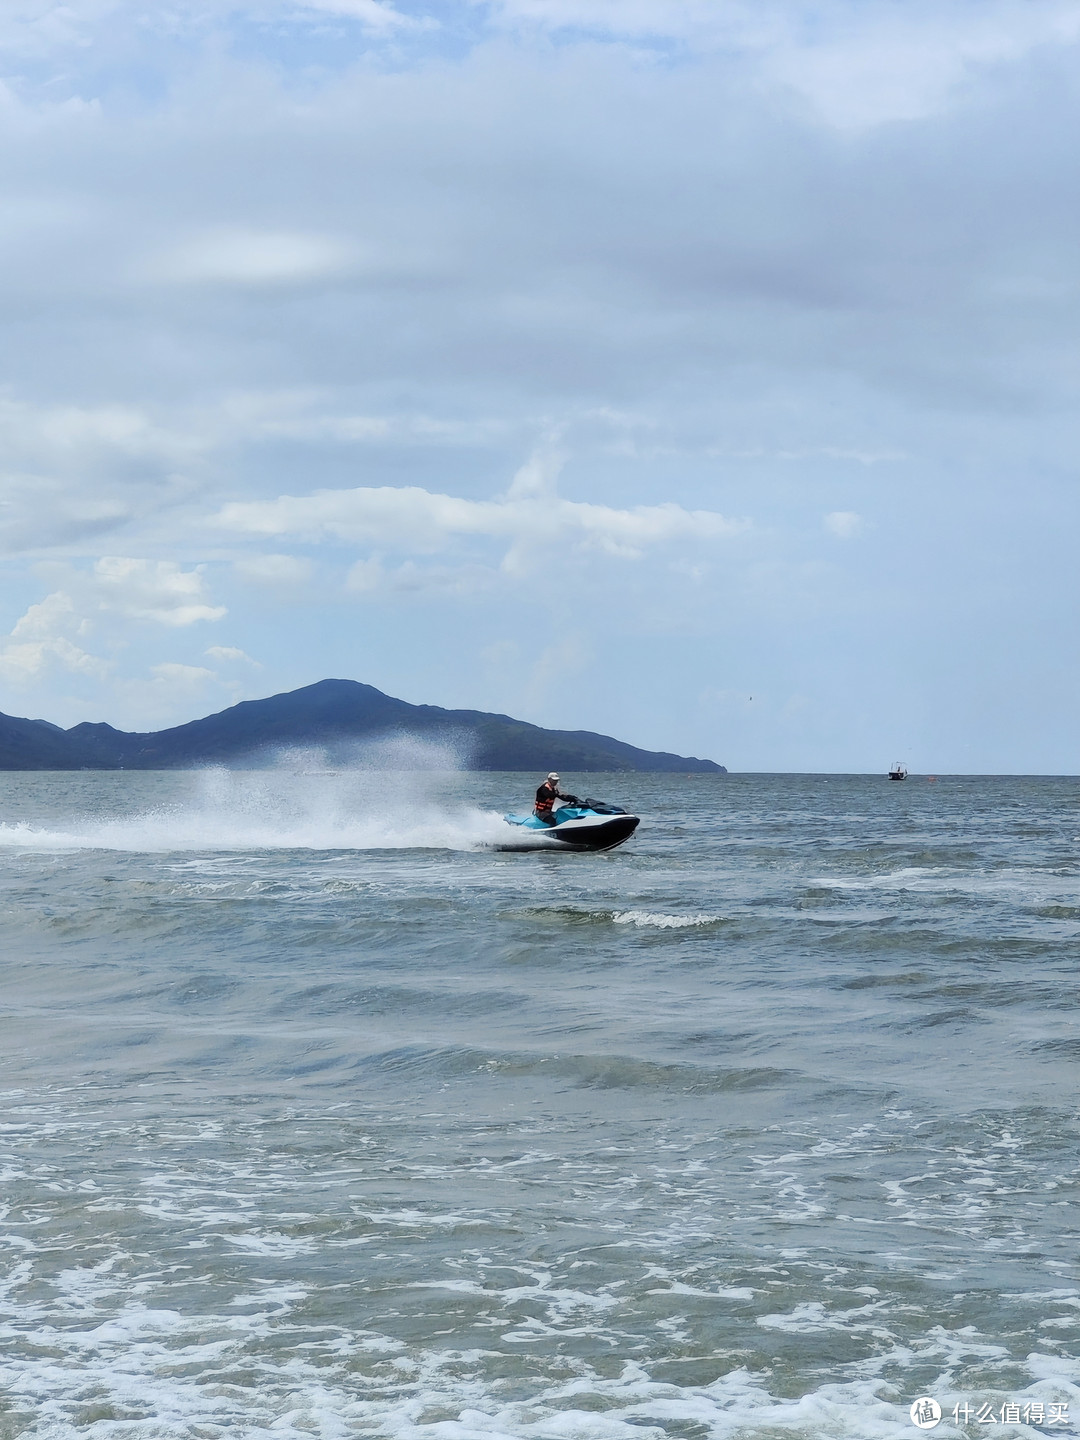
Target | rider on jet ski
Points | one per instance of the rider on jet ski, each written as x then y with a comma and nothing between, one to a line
546,796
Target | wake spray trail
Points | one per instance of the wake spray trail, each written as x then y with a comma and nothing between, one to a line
294,806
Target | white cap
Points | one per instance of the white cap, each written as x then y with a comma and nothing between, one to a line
553,776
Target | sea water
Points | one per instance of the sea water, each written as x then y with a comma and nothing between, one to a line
322,1118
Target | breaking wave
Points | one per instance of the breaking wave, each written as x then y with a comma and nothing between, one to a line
657,920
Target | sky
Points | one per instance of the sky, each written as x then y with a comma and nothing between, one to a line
701,372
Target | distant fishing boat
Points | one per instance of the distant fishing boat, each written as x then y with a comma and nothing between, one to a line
898,771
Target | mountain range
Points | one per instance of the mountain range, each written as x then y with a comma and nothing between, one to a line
336,716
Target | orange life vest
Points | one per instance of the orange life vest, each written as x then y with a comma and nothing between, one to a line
545,799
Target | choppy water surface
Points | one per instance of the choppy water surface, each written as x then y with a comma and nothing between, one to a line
321,1119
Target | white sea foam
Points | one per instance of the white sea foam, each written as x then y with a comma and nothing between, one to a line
810,1317
271,1243
1013,884
731,1292
136,1366
658,920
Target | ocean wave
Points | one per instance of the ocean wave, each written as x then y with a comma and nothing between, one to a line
582,1070
659,920
145,1368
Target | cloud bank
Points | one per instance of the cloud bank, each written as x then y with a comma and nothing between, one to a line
292,290
410,518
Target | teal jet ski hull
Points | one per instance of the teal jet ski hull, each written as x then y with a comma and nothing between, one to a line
576,827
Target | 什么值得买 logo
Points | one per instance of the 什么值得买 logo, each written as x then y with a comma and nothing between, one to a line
925,1413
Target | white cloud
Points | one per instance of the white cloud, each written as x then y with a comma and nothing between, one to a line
410,519
69,473
859,65
365,576
113,590
313,416
346,429
37,28
56,612
369,12
885,64
431,581
844,524
734,22
228,653
152,590
275,571
171,673
64,430
42,639
242,256
537,478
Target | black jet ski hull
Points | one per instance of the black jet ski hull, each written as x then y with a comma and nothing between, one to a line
592,832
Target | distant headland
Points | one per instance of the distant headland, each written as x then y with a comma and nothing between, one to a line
335,716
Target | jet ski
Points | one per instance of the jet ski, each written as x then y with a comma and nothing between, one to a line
579,825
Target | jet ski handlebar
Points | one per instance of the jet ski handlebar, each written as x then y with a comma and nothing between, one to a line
600,806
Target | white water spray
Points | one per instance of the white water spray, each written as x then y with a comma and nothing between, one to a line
398,794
